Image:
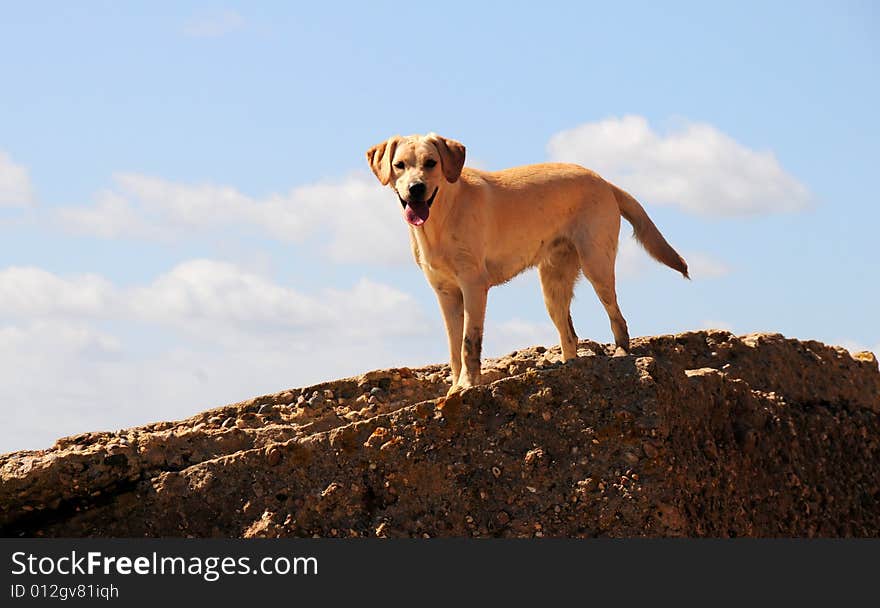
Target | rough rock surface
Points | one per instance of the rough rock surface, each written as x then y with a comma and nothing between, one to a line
698,434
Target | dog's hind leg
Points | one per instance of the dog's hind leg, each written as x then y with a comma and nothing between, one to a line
558,273
598,267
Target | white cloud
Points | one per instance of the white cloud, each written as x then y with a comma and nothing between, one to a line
354,218
500,338
112,216
633,261
15,184
206,293
703,266
214,25
208,290
371,307
74,357
185,206
363,219
58,337
62,378
695,167
200,293
715,324
48,383
29,292
854,346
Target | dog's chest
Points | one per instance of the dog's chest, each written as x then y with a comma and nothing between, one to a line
433,261
440,259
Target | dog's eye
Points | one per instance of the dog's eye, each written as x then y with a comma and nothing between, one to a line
399,164
430,163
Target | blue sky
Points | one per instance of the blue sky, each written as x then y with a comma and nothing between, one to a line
186,217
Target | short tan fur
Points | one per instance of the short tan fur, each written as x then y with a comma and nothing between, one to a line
471,230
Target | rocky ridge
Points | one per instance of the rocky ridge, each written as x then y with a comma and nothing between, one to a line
697,434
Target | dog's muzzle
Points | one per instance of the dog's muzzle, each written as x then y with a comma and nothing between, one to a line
416,212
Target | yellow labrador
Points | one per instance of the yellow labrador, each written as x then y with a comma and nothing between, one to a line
471,230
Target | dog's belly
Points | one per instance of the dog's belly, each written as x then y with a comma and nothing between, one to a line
518,246
501,271
523,238
504,267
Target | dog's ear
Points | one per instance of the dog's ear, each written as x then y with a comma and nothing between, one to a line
451,154
380,157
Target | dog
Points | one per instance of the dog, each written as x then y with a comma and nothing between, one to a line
471,230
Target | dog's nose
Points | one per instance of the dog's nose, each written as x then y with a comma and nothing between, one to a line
417,189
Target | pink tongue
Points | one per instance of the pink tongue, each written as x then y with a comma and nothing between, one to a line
416,213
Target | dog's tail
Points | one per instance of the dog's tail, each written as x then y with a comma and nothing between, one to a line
646,232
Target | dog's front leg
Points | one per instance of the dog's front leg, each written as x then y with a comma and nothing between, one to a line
474,293
452,307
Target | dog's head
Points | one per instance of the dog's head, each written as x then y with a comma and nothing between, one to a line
417,167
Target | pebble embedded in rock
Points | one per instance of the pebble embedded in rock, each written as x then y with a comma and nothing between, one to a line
273,455
533,456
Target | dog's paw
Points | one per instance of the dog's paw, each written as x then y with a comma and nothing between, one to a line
454,389
620,352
